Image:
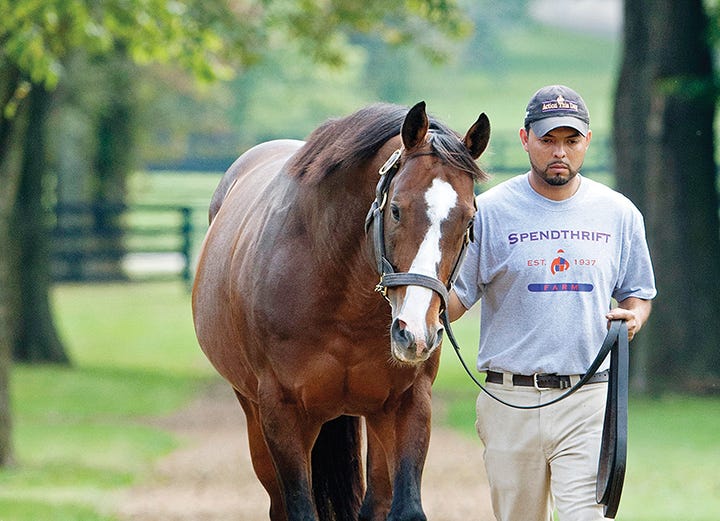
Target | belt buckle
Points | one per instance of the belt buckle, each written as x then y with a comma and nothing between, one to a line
535,383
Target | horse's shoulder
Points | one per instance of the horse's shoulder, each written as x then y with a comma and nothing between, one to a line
279,149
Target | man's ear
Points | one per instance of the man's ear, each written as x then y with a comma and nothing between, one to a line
524,138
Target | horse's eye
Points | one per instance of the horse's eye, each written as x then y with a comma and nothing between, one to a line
395,212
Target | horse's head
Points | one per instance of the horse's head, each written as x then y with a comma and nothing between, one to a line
422,220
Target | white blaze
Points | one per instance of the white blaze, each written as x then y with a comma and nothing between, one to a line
441,198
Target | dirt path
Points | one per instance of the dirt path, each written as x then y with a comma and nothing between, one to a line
211,479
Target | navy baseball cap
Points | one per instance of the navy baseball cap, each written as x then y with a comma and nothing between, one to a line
556,106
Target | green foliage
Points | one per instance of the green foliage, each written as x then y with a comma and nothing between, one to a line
206,37
173,188
314,24
38,35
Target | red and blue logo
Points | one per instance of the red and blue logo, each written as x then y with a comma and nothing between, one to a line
559,264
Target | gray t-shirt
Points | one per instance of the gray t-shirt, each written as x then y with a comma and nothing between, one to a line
546,272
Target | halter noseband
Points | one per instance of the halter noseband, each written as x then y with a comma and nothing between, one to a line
389,278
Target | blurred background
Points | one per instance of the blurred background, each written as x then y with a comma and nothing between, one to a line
120,116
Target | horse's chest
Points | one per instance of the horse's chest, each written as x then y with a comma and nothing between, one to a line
361,388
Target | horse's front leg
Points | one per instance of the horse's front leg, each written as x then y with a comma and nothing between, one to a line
290,437
261,459
405,435
378,496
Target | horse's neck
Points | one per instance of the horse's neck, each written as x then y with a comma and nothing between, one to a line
335,211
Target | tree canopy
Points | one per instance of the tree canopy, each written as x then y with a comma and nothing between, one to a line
211,38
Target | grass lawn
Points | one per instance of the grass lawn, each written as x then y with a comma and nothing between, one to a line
77,434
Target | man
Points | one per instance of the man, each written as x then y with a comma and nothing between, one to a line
552,249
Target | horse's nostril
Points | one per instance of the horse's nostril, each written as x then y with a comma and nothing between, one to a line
400,334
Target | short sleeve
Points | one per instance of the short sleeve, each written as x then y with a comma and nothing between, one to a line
636,277
467,286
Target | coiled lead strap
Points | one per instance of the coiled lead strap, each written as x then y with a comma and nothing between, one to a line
613,450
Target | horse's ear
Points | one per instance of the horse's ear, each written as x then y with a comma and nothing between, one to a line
415,127
477,137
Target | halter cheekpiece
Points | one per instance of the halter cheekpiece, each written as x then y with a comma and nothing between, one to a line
389,278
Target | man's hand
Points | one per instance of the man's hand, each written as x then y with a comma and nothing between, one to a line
634,311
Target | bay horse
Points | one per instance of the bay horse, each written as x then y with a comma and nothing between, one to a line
285,307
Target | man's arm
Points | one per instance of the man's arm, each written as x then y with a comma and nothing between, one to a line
455,307
635,312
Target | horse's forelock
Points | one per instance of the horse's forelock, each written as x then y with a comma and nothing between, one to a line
449,147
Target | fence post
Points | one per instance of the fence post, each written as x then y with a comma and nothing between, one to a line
186,230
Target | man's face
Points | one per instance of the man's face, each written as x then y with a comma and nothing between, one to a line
557,156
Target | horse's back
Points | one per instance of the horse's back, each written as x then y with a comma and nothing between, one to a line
259,158
243,211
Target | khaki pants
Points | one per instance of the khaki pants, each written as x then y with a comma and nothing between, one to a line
544,458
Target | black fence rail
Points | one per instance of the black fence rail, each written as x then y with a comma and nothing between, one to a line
103,242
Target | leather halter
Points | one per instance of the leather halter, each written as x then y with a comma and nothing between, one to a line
389,278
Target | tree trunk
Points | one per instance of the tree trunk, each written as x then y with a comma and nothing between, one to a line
36,336
664,160
10,128
632,104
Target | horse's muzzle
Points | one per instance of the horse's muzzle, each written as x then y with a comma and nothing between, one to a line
410,348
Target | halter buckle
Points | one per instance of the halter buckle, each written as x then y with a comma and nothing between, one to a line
382,289
392,160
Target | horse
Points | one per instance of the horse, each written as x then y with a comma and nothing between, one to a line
285,307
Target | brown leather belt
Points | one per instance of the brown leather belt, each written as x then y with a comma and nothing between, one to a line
544,381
